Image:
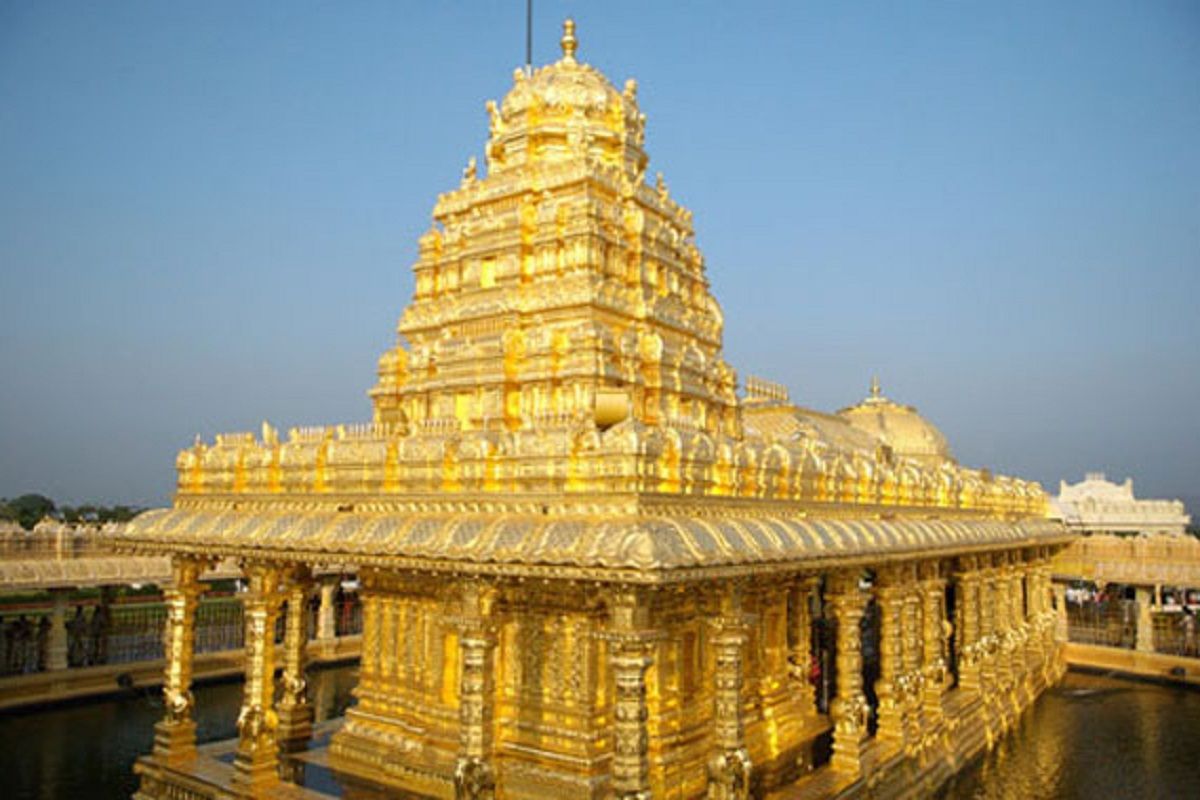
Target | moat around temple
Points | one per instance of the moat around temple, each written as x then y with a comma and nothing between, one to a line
1090,737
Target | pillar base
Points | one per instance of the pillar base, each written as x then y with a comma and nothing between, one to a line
253,771
848,758
890,716
175,739
295,727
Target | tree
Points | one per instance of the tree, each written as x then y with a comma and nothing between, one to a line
29,508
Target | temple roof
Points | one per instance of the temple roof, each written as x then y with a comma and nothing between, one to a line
655,546
560,366
900,427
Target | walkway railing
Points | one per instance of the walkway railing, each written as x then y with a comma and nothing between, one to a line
131,632
1113,623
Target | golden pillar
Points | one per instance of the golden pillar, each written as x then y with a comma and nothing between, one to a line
911,678
1031,579
57,644
1145,622
850,706
1002,633
1049,615
368,680
474,775
933,640
729,767
968,589
295,711
988,641
889,593
630,643
257,759
326,613
1061,627
175,734
800,656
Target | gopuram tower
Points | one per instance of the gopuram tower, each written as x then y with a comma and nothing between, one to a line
589,569
561,287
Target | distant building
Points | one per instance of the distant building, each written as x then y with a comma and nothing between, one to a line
1097,505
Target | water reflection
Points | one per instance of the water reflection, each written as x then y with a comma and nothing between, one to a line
87,751
1091,737
1094,737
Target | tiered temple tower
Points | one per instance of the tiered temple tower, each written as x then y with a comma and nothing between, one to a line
561,284
588,569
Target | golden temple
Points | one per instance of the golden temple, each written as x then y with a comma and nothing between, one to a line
589,569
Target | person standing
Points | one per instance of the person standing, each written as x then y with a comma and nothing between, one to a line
1189,632
98,636
77,639
43,642
24,639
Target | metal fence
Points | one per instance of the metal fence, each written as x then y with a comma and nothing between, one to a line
1175,633
1113,623
124,633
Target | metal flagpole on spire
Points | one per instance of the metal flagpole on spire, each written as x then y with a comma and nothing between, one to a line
528,37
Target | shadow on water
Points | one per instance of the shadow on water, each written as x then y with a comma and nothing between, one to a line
1094,736
87,750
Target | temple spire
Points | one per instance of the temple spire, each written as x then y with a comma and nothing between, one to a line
569,42
875,392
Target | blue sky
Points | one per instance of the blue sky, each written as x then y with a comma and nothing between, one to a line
209,211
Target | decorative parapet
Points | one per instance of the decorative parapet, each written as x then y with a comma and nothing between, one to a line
1147,560
565,453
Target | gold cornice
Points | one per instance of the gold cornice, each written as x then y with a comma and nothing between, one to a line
607,547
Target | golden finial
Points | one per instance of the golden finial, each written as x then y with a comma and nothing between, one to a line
569,42
875,393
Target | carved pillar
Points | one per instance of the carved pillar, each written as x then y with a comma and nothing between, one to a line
889,593
933,640
800,657
1002,633
474,775
1061,627
295,711
967,586
257,759
911,679
729,766
1033,612
1010,586
1046,611
368,678
175,735
988,640
849,708
1145,622
326,613
56,646
390,672
630,644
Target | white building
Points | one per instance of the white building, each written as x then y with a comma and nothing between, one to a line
1097,505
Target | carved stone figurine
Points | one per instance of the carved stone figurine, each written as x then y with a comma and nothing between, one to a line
473,779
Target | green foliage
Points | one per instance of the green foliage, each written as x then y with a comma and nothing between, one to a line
28,509
94,513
